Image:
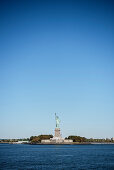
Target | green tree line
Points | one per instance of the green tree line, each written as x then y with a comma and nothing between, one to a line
37,139
77,138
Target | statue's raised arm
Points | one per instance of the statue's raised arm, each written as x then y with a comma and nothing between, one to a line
57,121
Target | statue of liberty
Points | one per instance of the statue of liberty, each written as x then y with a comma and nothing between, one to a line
57,121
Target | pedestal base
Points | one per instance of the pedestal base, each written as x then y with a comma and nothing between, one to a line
57,133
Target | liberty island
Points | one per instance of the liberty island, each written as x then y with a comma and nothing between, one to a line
57,139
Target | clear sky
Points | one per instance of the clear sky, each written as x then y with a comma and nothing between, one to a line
56,56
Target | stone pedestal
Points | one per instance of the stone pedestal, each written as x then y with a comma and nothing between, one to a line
57,138
57,133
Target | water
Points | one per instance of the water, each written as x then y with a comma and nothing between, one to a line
55,157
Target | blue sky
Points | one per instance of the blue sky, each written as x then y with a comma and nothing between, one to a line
56,56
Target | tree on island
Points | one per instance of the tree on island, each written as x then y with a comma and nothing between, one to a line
77,138
37,139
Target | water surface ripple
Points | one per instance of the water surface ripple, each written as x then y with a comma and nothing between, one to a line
55,157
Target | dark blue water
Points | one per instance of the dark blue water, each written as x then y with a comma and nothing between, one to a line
55,157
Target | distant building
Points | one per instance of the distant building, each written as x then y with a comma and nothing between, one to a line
20,142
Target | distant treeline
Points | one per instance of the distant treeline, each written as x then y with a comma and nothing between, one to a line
14,140
37,139
83,139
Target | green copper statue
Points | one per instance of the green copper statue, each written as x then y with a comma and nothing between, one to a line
57,121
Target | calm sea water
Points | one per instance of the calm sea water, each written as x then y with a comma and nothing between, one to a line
55,157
